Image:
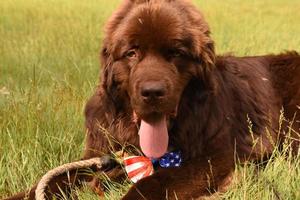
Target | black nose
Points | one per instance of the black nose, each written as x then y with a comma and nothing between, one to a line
153,90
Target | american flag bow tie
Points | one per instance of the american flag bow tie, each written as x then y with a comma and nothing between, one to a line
138,167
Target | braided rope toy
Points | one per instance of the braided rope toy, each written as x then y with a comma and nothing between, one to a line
136,167
43,183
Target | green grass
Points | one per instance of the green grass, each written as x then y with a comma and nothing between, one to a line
49,67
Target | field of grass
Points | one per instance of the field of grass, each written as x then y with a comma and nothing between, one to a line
49,67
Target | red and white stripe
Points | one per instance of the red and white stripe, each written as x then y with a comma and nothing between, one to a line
138,167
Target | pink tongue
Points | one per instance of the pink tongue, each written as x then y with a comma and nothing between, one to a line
154,138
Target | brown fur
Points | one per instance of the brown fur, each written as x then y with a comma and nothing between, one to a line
168,42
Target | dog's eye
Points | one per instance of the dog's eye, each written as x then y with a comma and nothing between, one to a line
174,53
132,53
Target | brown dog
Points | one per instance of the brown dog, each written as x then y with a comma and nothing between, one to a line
163,88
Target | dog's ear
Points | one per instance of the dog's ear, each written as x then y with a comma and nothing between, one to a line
200,40
206,55
114,76
106,64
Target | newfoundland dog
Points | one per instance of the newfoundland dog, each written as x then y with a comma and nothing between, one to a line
163,89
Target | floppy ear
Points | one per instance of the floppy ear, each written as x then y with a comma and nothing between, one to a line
206,54
106,64
114,78
201,41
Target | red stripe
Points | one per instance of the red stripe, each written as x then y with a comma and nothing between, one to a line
137,171
148,172
133,160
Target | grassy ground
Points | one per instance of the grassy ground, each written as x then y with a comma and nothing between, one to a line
49,67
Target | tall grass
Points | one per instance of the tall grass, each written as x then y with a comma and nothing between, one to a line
49,68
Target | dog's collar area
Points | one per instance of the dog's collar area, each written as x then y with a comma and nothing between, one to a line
170,159
138,167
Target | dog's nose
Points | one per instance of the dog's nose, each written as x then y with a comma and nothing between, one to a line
153,90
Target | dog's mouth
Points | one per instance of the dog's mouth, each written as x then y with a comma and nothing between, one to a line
153,133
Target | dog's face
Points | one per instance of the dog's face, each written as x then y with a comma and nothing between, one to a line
151,52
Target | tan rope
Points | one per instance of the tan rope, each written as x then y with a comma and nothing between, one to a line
42,185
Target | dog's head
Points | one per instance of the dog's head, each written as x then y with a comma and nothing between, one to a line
152,50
